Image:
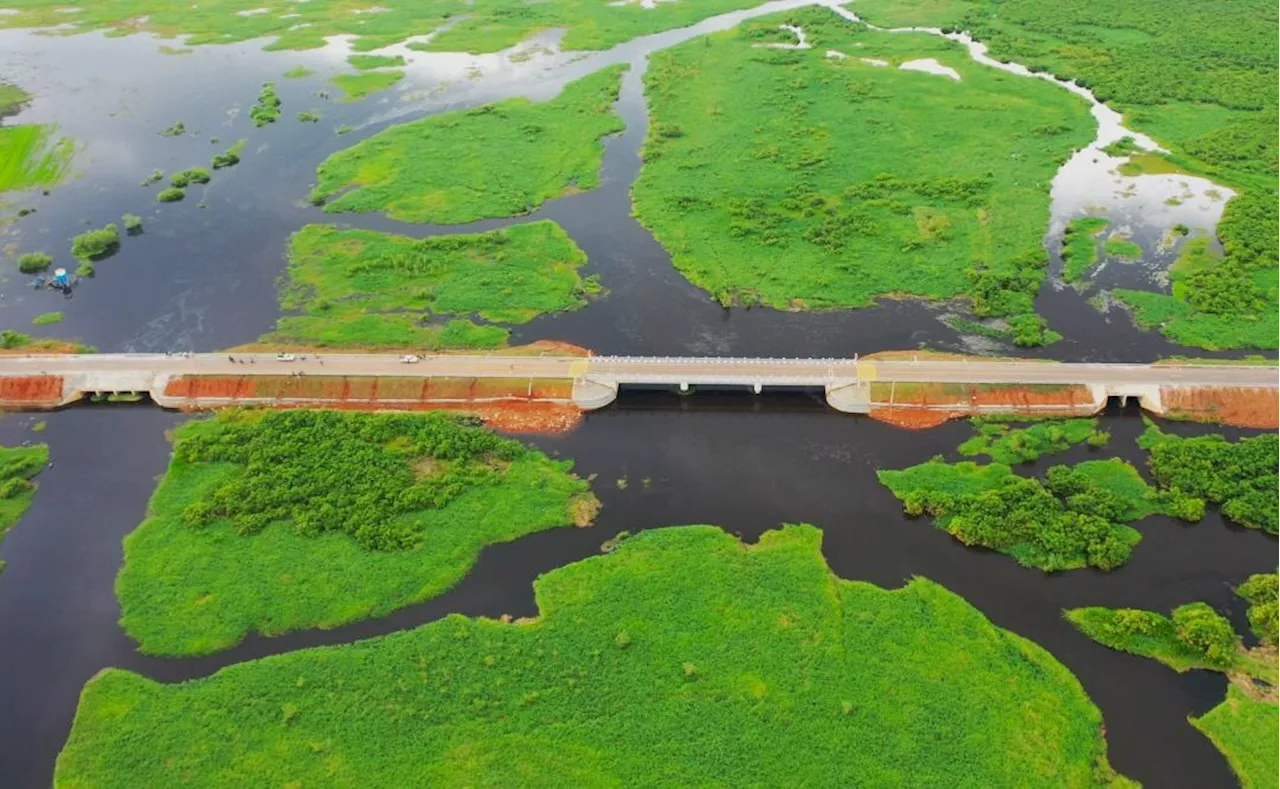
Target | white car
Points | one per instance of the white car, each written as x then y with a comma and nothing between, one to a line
286,357
410,359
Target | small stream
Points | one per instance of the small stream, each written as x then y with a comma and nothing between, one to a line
201,278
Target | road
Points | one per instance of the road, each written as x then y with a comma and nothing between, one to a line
651,370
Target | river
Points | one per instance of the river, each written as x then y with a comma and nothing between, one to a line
204,277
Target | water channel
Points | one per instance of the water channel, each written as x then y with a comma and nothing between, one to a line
205,277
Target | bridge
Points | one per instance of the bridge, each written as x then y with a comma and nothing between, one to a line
210,380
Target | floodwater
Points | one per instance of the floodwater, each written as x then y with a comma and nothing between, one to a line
203,276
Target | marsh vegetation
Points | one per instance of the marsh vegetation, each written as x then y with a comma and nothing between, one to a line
496,160
630,648
797,180
272,521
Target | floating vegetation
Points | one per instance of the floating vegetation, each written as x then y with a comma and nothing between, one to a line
34,262
176,130
170,195
96,244
267,110
356,86
231,156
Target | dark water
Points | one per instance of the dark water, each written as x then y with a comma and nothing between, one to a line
204,278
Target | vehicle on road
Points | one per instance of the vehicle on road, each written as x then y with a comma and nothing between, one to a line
286,357
410,359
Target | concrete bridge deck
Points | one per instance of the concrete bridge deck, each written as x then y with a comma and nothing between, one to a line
595,380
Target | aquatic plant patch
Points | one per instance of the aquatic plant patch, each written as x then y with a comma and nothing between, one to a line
365,288
1239,475
272,521
501,159
1080,246
18,466
356,86
798,180
1003,443
679,658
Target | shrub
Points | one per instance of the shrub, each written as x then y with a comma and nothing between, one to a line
96,244
132,223
191,175
176,130
1206,632
267,110
1264,613
85,269
170,195
34,262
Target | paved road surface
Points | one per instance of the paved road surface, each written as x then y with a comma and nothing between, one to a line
655,370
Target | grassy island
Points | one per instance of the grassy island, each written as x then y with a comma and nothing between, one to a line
364,288
1199,79
1241,475
277,520
355,87
1080,246
1246,725
497,160
1075,517
802,179
679,658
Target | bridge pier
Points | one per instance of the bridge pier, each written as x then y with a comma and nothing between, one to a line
850,398
590,395
757,388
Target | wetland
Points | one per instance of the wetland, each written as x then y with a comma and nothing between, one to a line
605,245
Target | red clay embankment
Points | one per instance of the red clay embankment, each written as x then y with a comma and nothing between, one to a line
513,404
31,391
1239,406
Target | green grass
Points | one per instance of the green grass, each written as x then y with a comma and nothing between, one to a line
1200,80
46,318
132,223
496,160
229,157
1005,444
1080,246
488,25
18,465
33,156
298,72
363,62
364,288
170,195
189,176
1245,731
1122,248
678,659
273,521
797,180
11,340
355,87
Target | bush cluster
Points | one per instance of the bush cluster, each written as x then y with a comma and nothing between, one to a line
96,244
34,262
1241,475
267,110
324,471
1262,592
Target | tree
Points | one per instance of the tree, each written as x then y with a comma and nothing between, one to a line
1207,633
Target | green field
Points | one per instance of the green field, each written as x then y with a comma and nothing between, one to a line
1201,80
30,155
497,160
272,521
680,658
800,180
1245,730
364,288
